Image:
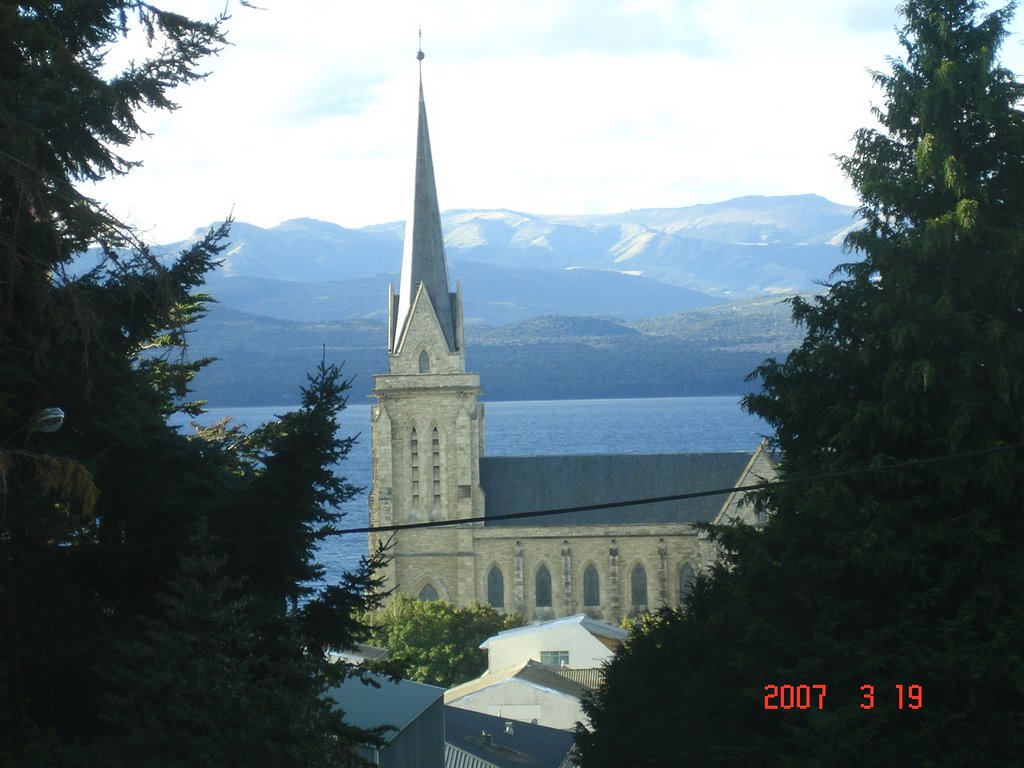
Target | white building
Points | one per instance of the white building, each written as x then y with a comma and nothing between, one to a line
540,673
530,692
577,642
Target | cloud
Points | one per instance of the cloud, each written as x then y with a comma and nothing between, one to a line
640,26
871,16
320,100
548,106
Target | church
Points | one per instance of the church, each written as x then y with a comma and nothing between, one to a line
603,554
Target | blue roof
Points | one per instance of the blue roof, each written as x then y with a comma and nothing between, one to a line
532,483
528,746
396,704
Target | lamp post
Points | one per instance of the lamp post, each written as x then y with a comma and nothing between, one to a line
47,420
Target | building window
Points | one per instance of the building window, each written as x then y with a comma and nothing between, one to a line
555,658
496,587
424,362
638,586
686,577
591,587
428,593
435,459
414,463
542,587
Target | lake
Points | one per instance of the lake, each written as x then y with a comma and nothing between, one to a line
542,427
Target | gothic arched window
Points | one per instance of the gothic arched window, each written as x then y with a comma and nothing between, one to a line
496,587
428,593
435,462
414,463
686,577
542,587
638,586
591,586
424,362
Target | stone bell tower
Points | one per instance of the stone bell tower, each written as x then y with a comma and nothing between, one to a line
427,427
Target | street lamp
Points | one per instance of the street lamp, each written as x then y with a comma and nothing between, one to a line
47,420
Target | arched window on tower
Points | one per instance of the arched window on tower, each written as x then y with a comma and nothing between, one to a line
591,587
414,466
428,593
686,577
435,461
638,587
424,362
495,587
542,587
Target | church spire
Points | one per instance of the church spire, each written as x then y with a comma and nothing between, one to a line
423,258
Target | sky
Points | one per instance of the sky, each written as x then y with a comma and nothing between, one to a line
540,106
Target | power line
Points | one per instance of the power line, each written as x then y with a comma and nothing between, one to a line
837,475
677,496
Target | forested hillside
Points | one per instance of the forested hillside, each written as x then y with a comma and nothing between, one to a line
707,351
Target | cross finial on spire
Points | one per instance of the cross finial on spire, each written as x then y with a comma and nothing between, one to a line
419,53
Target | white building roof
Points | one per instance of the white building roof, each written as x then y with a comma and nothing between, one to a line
594,627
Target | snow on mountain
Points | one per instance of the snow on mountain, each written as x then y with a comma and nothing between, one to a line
747,247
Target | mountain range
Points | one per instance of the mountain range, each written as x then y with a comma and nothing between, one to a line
648,302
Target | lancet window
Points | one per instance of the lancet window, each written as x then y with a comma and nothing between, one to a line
686,577
428,593
638,586
496,587
414,466
591,587
542,587
435,461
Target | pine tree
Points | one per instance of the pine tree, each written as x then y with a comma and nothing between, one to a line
95,321
76,340
902,576
196,688
296,490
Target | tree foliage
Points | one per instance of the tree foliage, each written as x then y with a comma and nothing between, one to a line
433,641
907,575
198,688
99,516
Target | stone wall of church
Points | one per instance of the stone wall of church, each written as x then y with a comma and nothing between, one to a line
427,438
434,444
436,560
739,505
426,468
546,572
421,335
607,572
